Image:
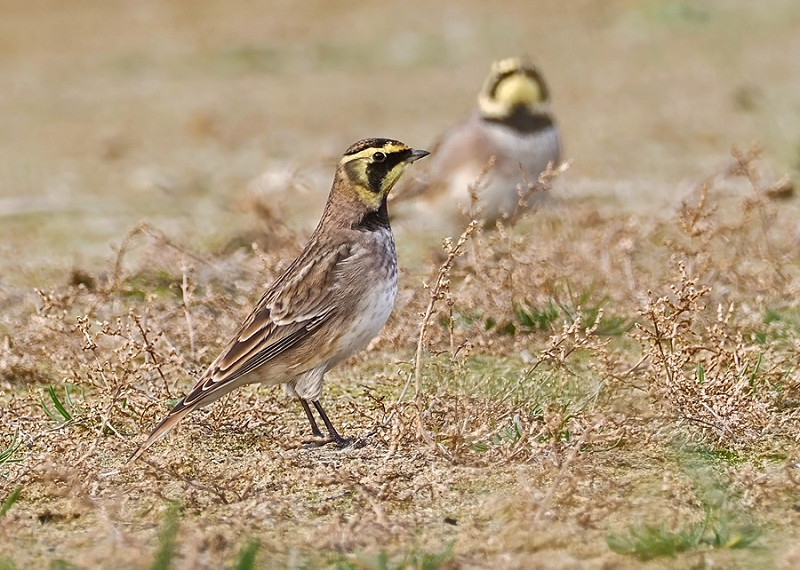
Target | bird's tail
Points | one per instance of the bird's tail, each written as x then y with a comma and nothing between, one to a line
161,430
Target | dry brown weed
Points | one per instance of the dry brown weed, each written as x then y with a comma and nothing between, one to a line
558,361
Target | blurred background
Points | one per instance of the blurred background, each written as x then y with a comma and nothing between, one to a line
186,113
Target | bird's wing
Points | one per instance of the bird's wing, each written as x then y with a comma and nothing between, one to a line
289,313
293,309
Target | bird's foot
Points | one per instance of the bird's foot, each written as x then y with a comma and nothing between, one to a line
316,442
340,442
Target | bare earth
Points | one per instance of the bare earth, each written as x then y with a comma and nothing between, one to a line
612,383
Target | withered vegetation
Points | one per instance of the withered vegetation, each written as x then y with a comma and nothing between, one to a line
589,387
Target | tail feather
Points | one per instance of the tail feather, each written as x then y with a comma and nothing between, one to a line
160,431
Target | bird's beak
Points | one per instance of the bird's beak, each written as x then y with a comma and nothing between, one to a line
416,154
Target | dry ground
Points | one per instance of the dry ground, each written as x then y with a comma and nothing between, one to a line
613,383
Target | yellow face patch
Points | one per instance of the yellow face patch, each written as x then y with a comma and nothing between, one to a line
511,84
374,170
518,89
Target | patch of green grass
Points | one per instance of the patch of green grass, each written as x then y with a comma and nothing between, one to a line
752,374
779,324
416,559
654,541
561,433
60,564
166,539
532,318
724,526
568,307
728,536
10,500
7,455
510,434
159,283
246,558
563,308
61,412
647,542
505,378
718,455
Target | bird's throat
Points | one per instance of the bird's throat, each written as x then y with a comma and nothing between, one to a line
374,220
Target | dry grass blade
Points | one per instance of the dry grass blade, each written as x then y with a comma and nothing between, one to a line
436,294
542,184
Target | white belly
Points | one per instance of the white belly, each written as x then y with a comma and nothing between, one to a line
498,192
371,315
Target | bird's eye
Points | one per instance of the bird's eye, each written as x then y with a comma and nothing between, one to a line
379,157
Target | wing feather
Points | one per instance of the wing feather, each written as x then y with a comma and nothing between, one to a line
288,313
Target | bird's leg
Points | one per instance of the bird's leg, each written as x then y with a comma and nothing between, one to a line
334,435
314,428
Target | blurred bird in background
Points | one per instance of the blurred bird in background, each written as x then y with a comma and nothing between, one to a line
479,167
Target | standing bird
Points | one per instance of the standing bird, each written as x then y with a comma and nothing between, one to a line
509,132
330,302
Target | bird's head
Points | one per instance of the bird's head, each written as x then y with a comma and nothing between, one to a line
371,167
513,84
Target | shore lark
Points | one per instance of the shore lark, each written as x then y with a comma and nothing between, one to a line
330,302
510,131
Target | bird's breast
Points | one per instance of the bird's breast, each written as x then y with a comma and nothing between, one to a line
376,276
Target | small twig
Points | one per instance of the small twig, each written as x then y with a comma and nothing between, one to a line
211,488
442,280
146,229
657,338
186,296
562,472
105,423
84,326
148,346
474,198
543,183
